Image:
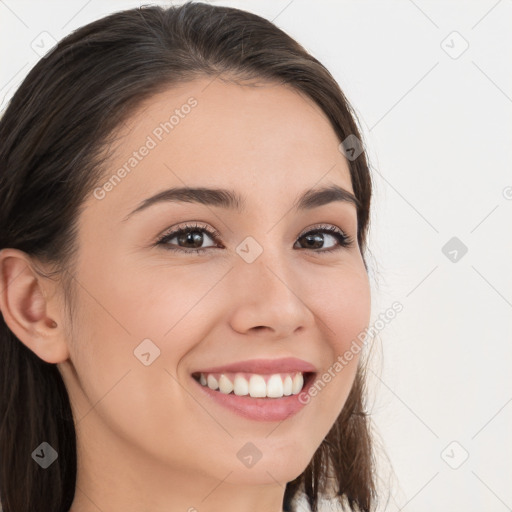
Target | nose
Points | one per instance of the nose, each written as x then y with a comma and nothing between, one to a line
268,299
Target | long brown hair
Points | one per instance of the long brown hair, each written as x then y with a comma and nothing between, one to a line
53,137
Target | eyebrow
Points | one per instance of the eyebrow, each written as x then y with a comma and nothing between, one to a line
230,199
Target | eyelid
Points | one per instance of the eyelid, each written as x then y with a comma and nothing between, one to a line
189,227
320,227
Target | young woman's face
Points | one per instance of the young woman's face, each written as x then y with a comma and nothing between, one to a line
151,317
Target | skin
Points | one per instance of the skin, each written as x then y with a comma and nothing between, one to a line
147,437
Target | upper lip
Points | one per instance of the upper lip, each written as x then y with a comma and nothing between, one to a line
283,365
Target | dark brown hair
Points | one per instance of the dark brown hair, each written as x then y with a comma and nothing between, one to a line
53,141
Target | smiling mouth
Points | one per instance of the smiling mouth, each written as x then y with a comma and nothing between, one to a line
254,385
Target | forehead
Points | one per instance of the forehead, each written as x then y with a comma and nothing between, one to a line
265,140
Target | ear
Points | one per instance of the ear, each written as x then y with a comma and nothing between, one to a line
25,305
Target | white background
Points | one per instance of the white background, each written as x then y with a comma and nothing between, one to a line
438,126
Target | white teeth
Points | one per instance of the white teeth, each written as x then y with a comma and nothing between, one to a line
257,386
276,385
298,382
241,387
287,386
225,385
212,382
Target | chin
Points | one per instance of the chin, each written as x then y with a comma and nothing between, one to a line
282,468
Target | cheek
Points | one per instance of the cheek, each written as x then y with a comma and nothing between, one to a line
116,387
343,309
126,314
125,305
342,302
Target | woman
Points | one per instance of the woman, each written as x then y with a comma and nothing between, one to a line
185,206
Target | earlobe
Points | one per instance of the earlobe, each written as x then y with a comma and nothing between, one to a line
24,307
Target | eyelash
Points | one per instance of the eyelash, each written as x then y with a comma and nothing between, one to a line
344,240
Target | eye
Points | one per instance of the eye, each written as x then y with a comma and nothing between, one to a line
189,239
188,234
316,237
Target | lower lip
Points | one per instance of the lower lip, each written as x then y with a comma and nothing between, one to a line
260,409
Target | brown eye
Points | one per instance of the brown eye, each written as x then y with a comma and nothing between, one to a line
188,239
316,239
